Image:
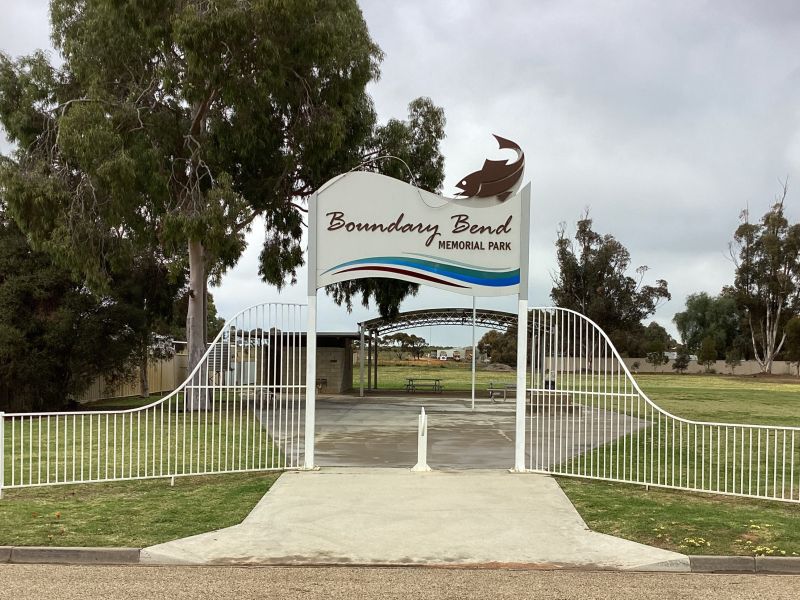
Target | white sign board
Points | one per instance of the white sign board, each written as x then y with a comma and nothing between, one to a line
370,225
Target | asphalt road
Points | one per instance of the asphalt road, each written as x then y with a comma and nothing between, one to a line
120,583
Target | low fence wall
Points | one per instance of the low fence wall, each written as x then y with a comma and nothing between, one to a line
333,368
163,376
748,367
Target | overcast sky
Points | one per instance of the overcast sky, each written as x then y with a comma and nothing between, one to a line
664,118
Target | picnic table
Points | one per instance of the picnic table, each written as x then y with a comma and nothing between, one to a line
414,384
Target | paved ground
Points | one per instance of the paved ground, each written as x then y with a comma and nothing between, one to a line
382,431
22,582
394,516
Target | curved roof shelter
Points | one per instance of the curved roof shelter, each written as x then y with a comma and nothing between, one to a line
375,328
493,319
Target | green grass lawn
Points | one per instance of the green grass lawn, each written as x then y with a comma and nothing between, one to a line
131,513
694,523
138,513
686,522
157,441
681,521
455,376
732,399
123,402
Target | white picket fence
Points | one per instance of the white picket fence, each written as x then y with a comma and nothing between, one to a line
217,421
587,417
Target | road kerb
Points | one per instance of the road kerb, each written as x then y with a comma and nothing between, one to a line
722,564
74,556
787,565
778,564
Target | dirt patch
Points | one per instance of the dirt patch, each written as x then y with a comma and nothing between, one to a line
498,367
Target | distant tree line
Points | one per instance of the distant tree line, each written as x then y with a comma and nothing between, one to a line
593,279
404,343
756,317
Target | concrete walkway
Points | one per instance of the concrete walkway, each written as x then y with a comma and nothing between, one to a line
394,516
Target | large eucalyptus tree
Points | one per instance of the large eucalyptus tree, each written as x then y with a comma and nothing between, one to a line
176,123
767,281
593,278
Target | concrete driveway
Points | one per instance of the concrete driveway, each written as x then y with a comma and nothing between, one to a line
469,511
397,517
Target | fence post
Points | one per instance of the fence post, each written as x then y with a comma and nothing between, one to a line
2,452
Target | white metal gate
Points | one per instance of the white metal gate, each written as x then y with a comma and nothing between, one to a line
240,409
587,417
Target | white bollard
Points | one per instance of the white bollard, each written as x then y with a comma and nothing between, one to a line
422,443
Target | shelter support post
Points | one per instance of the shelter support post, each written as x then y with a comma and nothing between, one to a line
361,361
369,361
473,353
375,377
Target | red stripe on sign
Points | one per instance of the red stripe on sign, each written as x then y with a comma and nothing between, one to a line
404,272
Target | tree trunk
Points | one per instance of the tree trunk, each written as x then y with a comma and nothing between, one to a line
196,346
144,383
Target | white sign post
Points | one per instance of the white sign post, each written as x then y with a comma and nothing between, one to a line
369,225
522,336
311,337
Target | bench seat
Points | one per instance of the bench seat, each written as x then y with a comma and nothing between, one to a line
415,385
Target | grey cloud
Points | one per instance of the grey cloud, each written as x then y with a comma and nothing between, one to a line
666,118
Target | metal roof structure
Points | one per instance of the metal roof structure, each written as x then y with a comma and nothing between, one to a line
492,319
372,329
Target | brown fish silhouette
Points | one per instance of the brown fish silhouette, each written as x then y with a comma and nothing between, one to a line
496,178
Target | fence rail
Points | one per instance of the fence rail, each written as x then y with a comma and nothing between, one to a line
216,422
587,417
242,407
